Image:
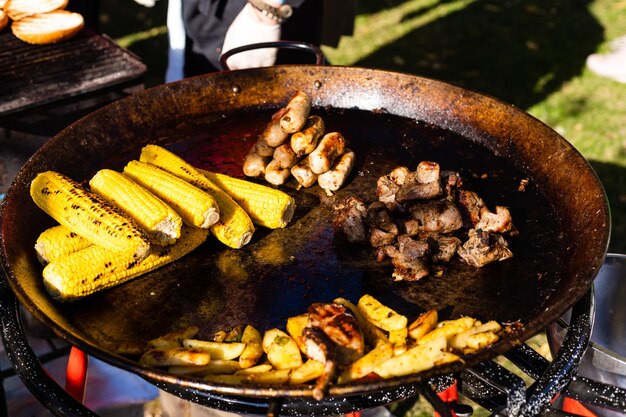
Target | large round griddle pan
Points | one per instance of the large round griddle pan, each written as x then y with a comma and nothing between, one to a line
389,119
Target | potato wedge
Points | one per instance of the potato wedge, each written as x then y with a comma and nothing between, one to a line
398,339
173,339
423,324
295,326
306,372
365,364
373,335
381,315
273,377
257,369
174,357
448,329
218,350
462,340
215,367
414,360
253,350
282,351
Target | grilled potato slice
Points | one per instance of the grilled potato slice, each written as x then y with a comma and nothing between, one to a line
282,351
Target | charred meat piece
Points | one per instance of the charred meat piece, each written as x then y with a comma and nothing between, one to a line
348,219
378,216
471,204
423,184
484,247
443,248
410,260
388,185
388,251
451,181
380,238
498,222
440,216
342,329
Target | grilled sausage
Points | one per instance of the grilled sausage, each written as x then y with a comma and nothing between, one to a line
303,174
262,148
254,165
285,156
329,148
305,141
333,180
273,134
276,175
297,112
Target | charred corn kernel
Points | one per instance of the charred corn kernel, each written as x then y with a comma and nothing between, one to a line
196,207
96,268
266,206
88,215
234,227
156,218
58,241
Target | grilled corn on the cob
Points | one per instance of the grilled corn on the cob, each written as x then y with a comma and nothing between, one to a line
156,218
196,207
266,206
88,215
58,241
235,227
95,268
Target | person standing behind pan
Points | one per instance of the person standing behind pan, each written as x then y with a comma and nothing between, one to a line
214,26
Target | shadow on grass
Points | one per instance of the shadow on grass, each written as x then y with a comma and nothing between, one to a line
518,51
613,177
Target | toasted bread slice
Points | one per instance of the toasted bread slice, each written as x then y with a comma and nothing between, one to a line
19,9
52,27
4,20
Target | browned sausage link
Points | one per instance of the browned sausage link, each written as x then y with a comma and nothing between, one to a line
303,174
276,175
297,112
254,165
285,156
263,149
273,134
305,141
333,180
327,150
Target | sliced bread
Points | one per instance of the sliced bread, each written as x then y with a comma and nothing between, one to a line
19,9
49,27
4,19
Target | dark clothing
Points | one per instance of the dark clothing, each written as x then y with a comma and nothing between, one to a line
207,21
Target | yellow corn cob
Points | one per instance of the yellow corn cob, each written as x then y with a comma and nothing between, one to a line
196,207
156,218
266,206
87,215
58,241
95,268
235,227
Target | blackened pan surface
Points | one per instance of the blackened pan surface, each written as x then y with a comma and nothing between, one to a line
389,119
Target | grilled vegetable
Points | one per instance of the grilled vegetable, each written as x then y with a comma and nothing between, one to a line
253,350
234,227
96,268
266,206
381,315
176,356
195,207
218,350
88,215
58,241
155,217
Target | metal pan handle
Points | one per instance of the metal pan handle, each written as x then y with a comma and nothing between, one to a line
301,46
39,383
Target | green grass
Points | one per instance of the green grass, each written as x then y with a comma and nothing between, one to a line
530,53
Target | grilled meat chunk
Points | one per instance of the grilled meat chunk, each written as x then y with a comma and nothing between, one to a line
379,216
423,184
471,204
440,216
379,237
483,247
410,259
348,219
342,329
443,248
498,222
